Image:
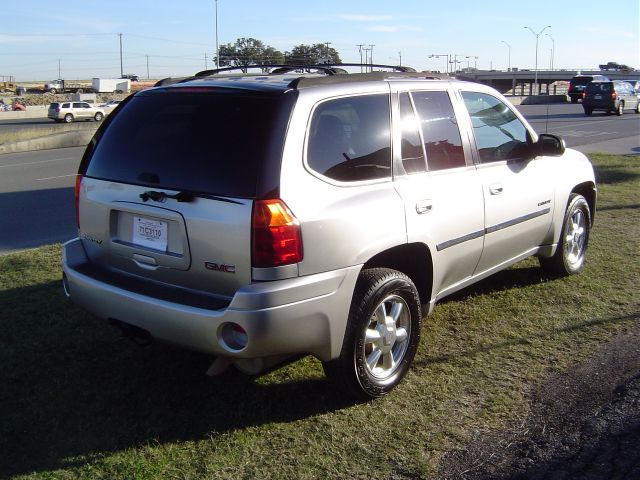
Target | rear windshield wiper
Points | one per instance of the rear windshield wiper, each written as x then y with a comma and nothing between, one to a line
181,197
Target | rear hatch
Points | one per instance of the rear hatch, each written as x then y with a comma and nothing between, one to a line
168,184
599,94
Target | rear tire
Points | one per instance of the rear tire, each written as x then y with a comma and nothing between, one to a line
637,110
574,100
588,112
574,238
620,109
98,117
381,337
68,118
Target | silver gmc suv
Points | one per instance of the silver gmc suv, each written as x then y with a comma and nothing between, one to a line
257,217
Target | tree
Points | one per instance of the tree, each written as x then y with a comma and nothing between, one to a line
248,51
312,54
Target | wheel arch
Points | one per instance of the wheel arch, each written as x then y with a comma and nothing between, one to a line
588,191
412,259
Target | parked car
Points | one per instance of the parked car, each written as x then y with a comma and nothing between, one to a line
611,97
578,84
259,217
69,111
131,76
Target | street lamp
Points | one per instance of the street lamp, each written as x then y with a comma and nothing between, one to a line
537,35
509,47
476,61
434,55
217,50
553,50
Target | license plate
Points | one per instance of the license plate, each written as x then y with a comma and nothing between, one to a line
598,97
150,233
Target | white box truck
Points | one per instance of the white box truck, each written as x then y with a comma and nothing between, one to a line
111,85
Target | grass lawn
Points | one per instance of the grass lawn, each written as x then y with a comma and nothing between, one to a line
79,401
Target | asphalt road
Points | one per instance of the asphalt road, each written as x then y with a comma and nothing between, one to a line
36,197
36,188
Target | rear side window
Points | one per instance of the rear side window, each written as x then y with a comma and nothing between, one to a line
442,142
66,105
350,138
54,105
199,142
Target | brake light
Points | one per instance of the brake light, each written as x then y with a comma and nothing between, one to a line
584,94
275,235
77,199
57,110
614,95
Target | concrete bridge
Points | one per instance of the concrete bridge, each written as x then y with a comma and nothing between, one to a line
521,82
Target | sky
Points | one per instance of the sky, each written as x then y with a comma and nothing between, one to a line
80,38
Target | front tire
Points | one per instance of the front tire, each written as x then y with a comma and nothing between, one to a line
381,337
98,117
574,238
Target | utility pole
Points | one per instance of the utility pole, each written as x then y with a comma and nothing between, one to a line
206,67
147,66
59,75
360,45
121,70
371,56
400,56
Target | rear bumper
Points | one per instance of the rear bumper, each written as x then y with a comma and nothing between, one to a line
300,315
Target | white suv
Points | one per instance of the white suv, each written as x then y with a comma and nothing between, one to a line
69,111
256,217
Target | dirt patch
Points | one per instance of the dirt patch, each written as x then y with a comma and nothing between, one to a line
582,424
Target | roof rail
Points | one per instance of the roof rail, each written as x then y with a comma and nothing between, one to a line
328,69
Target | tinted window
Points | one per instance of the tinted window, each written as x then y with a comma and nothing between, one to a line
442,142
66,105
350,138
597,87
581,80
207,142
411,143
54,105
499,134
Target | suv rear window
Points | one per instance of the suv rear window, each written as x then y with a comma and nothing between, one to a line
54,105
581,80
207,142
595,87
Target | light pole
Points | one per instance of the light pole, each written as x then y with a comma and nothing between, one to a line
475,58
553,50
217,50
509,47
434,55
537,35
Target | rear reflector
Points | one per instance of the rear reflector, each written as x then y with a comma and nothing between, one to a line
275,235
77,199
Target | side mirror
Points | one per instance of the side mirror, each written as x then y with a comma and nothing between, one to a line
550,145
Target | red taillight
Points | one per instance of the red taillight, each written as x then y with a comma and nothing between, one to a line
614,95
57,110
77,199
584,94
275,235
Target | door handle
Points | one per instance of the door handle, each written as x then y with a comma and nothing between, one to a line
496,189
423,206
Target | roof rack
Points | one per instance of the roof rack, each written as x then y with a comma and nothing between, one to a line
277,69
